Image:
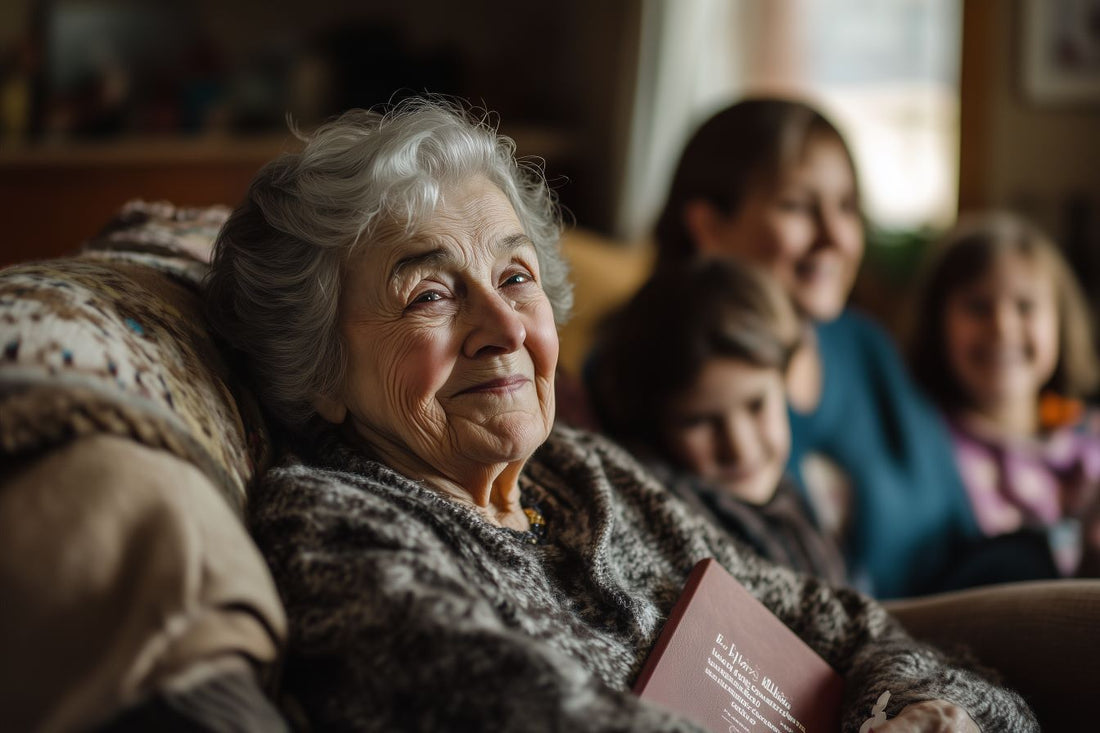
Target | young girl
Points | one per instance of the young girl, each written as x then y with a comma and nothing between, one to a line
1004,345
772,181
690,376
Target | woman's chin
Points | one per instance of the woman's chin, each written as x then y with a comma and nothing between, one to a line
506,440
820,310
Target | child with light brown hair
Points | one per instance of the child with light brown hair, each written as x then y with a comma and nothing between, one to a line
1004,345
690,375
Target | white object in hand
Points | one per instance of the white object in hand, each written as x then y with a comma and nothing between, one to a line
878,713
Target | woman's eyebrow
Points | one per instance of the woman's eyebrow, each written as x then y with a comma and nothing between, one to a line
431,258
514,241
439,256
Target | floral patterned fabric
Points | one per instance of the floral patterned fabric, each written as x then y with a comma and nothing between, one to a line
159,228
114,341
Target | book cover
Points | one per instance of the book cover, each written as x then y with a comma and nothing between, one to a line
726,662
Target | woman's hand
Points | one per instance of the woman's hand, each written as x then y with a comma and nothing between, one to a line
931,716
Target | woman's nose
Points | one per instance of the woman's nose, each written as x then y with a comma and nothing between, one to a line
495,326
835,228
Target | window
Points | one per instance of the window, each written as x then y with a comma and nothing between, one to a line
885,71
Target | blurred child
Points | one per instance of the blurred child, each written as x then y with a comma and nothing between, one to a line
690,376
1005,346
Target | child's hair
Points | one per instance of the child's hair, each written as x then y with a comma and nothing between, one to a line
741,148
966,253
686,314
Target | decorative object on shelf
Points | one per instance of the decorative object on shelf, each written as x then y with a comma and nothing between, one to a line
1061,51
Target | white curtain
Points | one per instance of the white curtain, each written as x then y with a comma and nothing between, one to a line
686,64
884,70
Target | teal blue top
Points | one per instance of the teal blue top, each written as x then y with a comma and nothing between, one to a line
909,506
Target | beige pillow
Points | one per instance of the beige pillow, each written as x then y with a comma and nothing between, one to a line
122,572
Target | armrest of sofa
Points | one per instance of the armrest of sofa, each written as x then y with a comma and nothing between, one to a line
129,587
124,574
1040,636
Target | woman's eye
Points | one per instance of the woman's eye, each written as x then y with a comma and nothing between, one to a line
977,306
428,297
693,422
794,205
517,278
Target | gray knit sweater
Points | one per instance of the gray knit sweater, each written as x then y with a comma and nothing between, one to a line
409,612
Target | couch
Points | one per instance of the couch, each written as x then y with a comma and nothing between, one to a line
128,443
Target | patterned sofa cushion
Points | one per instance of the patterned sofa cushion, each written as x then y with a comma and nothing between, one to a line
160,228
114,341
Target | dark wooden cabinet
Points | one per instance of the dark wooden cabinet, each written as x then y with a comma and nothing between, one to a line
53,197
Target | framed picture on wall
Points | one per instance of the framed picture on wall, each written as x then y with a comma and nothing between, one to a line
1061,51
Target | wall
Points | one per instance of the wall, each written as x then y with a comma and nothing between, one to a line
1041,160
13,19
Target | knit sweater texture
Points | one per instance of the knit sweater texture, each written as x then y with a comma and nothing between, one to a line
408,611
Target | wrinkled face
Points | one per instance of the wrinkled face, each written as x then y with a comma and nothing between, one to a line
1001,333
451,341
731,428
807,231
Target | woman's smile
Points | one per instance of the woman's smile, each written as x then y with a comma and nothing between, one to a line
498,386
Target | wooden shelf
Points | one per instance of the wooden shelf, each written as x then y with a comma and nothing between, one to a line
146,151
55,195
548,143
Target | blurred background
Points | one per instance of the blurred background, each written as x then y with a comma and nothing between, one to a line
949,104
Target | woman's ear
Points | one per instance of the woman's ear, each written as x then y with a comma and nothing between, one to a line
330,408
707,227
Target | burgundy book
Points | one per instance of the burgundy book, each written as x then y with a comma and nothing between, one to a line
726,662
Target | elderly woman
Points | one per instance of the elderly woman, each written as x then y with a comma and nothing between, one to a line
448,559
